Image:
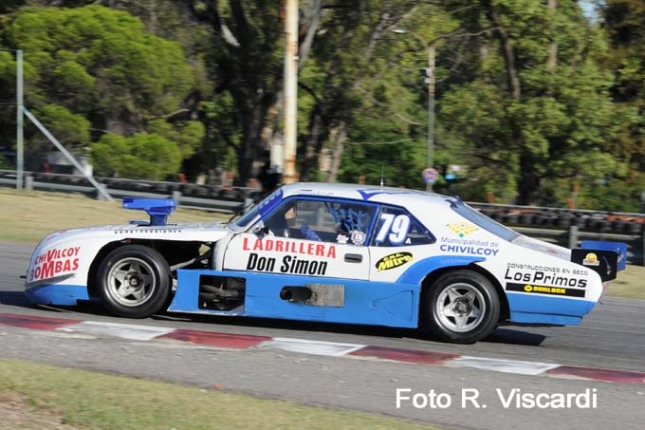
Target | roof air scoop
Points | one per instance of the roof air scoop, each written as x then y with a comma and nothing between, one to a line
157,209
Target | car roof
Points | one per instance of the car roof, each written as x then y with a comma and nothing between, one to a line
372,193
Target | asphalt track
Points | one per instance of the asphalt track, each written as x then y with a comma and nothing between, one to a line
613,336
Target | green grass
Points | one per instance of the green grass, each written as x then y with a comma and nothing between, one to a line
34,396
629,284
28,216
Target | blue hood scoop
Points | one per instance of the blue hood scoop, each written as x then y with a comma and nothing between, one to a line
158,209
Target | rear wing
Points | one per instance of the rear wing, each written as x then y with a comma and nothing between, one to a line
605,258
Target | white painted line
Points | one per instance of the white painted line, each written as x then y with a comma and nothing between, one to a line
315,347
501,365
123,331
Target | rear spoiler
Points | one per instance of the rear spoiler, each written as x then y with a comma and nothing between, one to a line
606,258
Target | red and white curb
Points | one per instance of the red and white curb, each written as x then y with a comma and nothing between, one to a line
332,349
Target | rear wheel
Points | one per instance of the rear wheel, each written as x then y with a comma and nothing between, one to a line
134,281
461,307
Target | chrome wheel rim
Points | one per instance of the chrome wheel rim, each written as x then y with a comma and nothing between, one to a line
131,282
460,307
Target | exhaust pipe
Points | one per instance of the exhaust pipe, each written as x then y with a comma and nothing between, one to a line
295,294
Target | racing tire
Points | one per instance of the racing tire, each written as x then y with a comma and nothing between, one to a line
462,306
134,282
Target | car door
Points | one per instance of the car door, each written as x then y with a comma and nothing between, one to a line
307,236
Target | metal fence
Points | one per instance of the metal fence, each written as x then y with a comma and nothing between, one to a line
555,225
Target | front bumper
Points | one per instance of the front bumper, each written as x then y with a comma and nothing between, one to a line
56,294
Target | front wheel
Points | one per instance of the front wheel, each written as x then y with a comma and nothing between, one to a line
134,281
461,307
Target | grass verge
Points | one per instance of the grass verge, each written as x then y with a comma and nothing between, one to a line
35,396
28,216
629,284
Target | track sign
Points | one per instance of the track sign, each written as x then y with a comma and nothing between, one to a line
430,175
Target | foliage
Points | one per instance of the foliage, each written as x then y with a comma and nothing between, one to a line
142,156
534,101
94,63
551,122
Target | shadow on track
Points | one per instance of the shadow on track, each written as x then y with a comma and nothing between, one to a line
14,298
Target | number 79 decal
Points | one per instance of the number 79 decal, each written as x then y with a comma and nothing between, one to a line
394,227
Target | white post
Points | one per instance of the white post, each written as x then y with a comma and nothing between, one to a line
431,96
100,187
290,91
19,120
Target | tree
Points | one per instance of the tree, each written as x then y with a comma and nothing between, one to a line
141,156
101,64
538,109
623,22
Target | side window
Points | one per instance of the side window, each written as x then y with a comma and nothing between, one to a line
321,221
396,227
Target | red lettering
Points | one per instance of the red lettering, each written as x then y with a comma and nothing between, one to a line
310,249
269,245
320,250
75,264
48,270
331,252
278,246
67,266
51,254
258,245
245,244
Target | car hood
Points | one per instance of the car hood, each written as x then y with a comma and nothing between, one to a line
201,231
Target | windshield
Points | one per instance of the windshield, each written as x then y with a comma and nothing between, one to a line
481,220
266,205
246,216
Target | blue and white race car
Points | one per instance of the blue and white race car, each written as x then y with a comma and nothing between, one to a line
333,253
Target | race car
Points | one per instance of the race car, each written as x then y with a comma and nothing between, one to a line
337,253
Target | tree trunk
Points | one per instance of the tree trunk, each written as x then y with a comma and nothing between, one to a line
248,149
507,51
339,133
529,182
339,136
313,146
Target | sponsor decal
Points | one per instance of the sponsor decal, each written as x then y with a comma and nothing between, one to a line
289,246
460,245
270,202
54,262
470,250
358,237
591,259
393,261
462,229
288,264
543,289
147,230
556,276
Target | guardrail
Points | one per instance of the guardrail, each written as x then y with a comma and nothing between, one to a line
213,198
555,225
